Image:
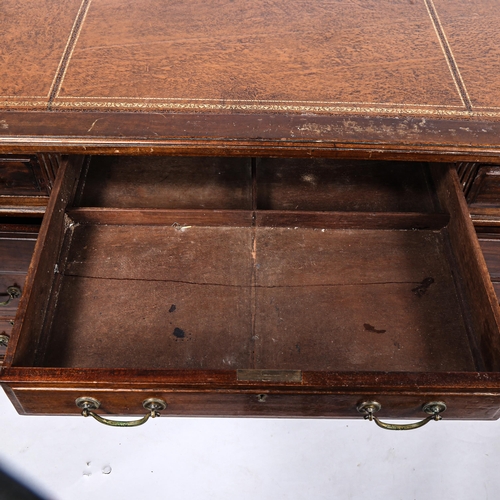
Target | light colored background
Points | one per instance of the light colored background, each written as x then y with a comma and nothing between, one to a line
191,458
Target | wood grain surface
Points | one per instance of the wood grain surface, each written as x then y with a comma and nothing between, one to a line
337,185
316,300
167,182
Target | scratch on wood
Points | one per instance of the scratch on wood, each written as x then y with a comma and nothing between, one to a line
92,126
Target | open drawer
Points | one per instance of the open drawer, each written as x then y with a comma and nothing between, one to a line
257,287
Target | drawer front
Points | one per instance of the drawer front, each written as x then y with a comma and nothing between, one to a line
26,182
6,326
491,251
485,190
467,172
484,204
16,251
16,248
10,283
5,329
490,245
217,404
21,177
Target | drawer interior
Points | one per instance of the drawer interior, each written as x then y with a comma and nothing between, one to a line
271,264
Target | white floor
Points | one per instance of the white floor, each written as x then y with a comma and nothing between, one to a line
178,458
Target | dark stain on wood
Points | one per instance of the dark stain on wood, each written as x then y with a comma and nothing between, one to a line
179,333
421,289
370,328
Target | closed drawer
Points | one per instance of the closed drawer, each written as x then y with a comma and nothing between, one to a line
17,243
484,204
11,286
25,183
5,330
484,198
490,245
485,190
21,177
297,270
16,249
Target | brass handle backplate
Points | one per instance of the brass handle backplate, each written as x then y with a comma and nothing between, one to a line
153,405
4,339
14,292
433,409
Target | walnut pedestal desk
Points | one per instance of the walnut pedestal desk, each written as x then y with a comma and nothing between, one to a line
260,209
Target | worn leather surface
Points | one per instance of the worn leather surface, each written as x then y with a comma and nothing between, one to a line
418,57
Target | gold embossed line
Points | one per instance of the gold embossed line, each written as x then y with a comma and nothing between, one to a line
68,51
445,46
138,105
272,101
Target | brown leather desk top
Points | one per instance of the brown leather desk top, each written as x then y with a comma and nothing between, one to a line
373,76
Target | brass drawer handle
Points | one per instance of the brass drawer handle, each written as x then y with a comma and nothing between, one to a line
433,409
14,292
153,405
